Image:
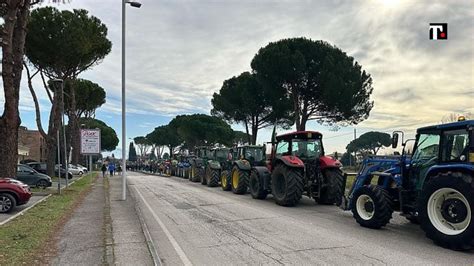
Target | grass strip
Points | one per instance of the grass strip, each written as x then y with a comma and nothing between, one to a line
28,239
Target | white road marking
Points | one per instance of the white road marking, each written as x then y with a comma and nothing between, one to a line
172,240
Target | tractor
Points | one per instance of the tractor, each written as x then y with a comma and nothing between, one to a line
237,176
298,166
433,187
199,163
218,161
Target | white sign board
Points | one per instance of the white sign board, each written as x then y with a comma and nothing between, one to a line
90,141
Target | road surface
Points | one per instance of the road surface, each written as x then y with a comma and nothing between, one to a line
194,224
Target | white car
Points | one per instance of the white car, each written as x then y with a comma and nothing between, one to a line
83,168
72,169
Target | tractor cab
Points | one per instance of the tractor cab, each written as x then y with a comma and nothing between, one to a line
438,147
254,154
300,147
203,152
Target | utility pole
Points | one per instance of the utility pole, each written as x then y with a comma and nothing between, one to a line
355,154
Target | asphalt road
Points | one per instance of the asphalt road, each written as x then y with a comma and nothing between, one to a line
194,224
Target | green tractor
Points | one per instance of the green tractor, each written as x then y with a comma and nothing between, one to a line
219,160
199,163
237,177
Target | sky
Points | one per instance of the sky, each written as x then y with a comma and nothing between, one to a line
179,52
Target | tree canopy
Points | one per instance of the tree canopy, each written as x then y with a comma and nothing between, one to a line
108,136
320,81
65,43
242,99
143,144
369,143
164,136
201,129
89,97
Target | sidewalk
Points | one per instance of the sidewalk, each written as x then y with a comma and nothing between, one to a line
103,230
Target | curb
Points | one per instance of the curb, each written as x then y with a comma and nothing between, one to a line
23,211
149,241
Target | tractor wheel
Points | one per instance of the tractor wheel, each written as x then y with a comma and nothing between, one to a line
256,186
225,181
372,206
445,210
287,185
203,175
240,180
195,174
213,178
333,192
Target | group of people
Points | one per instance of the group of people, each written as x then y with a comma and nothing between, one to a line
110,168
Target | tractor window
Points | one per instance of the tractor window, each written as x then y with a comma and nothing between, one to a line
222,154
282,148
427,148
455,146
306,148
254,155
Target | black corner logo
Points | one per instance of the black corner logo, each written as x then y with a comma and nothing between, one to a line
438,31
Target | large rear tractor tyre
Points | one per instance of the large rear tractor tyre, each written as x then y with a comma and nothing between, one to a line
333,191
372,206
203,175
213,178
195,174
256,186
445,210
287,185
225,181
240,180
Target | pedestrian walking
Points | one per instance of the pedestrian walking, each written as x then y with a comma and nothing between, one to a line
111,169
104,170
119,169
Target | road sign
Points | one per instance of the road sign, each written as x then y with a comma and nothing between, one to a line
90,141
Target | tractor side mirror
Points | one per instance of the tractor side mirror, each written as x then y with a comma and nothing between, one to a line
394,140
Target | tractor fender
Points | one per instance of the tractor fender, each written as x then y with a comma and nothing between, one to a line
291,161
328,162
243,164
467,169
264,175
214,165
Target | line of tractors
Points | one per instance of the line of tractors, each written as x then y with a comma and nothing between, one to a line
433,187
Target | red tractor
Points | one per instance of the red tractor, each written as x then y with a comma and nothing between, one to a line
298,166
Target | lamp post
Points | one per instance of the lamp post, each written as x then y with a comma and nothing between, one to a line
124,133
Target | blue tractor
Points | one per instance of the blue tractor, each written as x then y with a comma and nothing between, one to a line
433,187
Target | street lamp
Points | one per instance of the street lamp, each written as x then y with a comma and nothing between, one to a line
124,133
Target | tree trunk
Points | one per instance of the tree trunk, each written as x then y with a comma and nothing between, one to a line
296,108
249,140
254,133
13,43
75,136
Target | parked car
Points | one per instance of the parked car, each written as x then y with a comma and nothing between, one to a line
84,169
31,177
75,170
72,169
41,168
13,193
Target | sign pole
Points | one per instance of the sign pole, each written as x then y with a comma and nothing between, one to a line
59,165
90,163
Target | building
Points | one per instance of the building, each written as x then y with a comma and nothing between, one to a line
23,152
34,141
